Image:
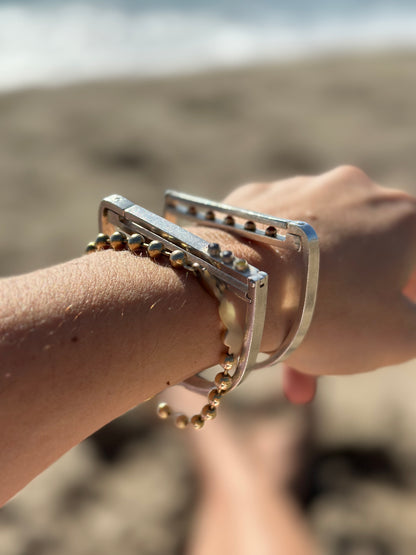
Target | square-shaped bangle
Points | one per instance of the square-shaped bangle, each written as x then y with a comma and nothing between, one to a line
239,277
276,232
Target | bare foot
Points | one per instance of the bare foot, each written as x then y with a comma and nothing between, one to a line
245,507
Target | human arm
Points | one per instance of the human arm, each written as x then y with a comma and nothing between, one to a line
83,342
367,237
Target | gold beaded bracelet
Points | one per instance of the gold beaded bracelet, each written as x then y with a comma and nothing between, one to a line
126,226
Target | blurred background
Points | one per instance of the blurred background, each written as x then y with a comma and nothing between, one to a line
133,97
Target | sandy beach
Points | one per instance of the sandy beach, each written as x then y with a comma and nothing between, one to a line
63,149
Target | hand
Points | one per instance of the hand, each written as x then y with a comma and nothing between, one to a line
364,316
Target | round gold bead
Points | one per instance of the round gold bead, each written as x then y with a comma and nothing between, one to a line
154,248
250,226
227,257
222,381
196,268
229,220
135,242
102,242
181,421
209,412
197,421
240,264
164,411
177,258
118,240
214,249
192,210
228,362
209,215
90,248
215,396
270,231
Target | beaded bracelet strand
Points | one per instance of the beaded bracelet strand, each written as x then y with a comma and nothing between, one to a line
137,244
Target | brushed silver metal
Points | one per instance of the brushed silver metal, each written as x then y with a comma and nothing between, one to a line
295,235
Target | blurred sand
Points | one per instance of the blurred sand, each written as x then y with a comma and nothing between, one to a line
130,490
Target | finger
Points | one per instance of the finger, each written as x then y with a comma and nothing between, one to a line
403,340
410,288
298,388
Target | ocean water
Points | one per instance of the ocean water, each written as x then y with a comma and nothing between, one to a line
57,41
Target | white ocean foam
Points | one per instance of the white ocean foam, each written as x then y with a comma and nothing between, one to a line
51,45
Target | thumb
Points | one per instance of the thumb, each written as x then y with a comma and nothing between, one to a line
410,288
402,339
298,388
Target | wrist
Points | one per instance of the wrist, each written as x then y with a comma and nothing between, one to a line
283,285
